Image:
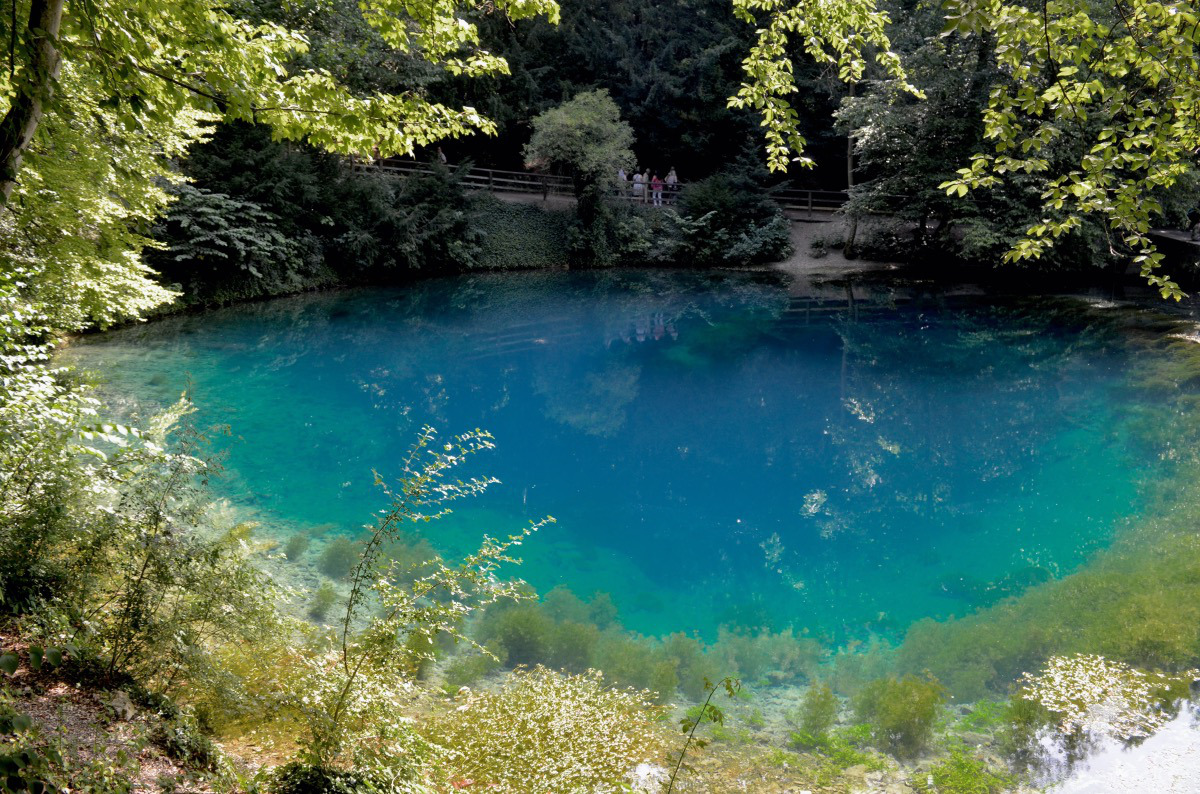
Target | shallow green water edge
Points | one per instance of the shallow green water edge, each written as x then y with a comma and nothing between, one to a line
1136,601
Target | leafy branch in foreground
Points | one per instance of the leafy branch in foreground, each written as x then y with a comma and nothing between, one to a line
834,34
1105,100
707,713
351,697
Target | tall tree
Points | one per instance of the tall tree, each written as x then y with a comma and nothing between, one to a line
31,91
586,139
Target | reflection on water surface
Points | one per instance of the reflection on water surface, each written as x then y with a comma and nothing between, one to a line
717,449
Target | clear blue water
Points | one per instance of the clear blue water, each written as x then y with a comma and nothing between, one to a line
717,449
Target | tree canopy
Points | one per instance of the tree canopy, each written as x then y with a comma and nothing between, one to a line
584,137
100,97
1097,99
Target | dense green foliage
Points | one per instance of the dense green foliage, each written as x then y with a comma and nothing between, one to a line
516,236
964,774
224,246
584,138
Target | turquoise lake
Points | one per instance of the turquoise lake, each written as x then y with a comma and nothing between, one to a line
717,448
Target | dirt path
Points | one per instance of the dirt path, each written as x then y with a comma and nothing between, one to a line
805,264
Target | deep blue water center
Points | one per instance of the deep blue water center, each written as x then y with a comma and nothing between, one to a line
718,448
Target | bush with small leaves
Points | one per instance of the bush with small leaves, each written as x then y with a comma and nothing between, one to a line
1090,694
322,601
339,557
900,711
544,731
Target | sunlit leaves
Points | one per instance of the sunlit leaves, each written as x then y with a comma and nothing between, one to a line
157,59
837,34
1105,97
1091,694
140,82
585,137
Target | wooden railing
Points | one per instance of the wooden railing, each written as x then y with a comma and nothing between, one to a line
546,185
491,179
810,201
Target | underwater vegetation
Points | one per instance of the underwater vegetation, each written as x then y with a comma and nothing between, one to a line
565,632
818,713
323,600
900,711
963,773
296,545
1136,602
339,557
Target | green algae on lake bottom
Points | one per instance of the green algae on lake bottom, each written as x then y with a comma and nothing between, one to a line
723,455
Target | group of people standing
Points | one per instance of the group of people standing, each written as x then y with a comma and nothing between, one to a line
648,186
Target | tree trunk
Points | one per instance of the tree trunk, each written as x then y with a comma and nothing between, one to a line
848,251
32,91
